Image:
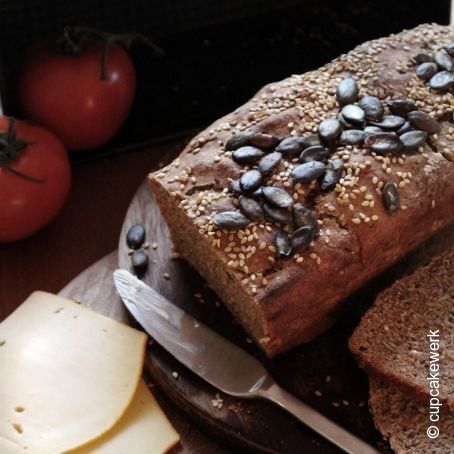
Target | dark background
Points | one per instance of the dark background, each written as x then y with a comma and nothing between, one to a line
217,53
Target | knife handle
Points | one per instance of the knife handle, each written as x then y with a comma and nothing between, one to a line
317,422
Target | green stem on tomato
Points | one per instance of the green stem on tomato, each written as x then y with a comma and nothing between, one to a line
11,148
22,175
74,39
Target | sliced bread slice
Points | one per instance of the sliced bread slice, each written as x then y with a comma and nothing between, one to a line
405,423
394,342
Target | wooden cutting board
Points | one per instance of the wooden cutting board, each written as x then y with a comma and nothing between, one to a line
322,373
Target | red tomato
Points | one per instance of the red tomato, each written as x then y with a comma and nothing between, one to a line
65,93
26,206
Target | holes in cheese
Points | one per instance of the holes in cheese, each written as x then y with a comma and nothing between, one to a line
64,380
143,429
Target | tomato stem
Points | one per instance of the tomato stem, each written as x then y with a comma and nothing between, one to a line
22,175
74,39
10,149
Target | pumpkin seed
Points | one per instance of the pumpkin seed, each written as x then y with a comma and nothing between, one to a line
449,47
401,107
264,141
292,145
353,114
302,237
422,58
277,196
406,127
443,60
310,140
347,91
283,243
344,123
332,175
372,107
413,139
385,142
247,155
236,189
256,139
329,129
230,220
304,216
316,153
389,122
135,236
270,162
424,121
391,197
240,139
279,215
305,173
251,180
139,261
426,70
368,130
444,80
251,208
352,137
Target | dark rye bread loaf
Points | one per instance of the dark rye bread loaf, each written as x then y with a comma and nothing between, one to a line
403,422
285,302
391,341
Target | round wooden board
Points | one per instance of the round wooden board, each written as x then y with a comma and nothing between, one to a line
322,373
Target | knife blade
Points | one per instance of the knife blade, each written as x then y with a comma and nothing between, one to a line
218,361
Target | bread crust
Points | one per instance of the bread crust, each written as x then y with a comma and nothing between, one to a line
283,303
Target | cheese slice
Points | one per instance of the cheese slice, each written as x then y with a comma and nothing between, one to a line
67,375
143,429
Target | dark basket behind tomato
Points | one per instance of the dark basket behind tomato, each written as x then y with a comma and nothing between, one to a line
71,96
35,177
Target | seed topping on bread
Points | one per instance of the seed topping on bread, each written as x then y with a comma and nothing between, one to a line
282,121
310,159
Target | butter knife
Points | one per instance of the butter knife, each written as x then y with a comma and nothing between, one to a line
220,362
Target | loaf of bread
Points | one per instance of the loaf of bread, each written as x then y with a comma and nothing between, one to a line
404,423
358,205
406,338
